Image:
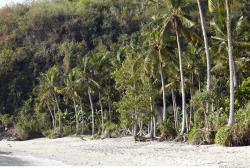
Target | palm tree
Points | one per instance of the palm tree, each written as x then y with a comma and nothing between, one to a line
176,20
203,26
158,61
231,119
70,92
90,83
48,91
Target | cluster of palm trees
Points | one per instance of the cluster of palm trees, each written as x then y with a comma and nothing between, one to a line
174,21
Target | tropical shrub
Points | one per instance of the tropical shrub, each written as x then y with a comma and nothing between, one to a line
166,128
201,136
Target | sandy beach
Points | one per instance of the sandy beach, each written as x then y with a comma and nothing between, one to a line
124,152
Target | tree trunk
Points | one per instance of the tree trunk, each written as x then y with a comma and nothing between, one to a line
190,109
163,93
151,121
54,111
203,26
109,103
154,129
231,119
184,113
174,109
100,102
82,114
76,116
52,116
92,110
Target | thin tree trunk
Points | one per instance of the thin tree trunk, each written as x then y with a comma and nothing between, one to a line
82,114
100,102
92,111
163,93
199,83
151,122
109,103
184,113
154,129
51,114
190,109
203,26
235,76
76,116
231,119
54,110
174,109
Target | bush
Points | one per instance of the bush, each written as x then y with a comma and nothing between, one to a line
27,128
6,120
95,136
201,136
239,133
222,136
52,133
111,127
68,130
199,118
167,129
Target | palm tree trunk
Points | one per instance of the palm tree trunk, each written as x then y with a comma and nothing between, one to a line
92,110
203,26
151,121
163,93
82,114
100,102
231,65
174,109
51,114
184,113
154,128
76,116
109,103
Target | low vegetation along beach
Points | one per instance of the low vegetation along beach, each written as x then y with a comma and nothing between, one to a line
124,151
125,82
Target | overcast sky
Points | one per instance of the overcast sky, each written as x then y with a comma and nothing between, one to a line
4,2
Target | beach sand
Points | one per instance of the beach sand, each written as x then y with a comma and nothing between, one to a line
125,152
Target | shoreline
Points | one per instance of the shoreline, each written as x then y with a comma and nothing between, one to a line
25,160
123,152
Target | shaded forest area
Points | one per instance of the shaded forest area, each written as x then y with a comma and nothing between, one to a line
173,69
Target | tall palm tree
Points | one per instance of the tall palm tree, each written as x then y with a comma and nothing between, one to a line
203,26
231,119
176,20
70,92
48,91
90,83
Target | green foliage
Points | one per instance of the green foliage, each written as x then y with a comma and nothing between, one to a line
6,120
26,123
167,130
238,134
111,127
52,133
95,136
201,136
52,52
222,136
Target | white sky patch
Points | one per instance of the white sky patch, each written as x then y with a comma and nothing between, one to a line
9,2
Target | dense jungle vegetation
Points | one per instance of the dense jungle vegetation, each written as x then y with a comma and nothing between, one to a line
168,68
